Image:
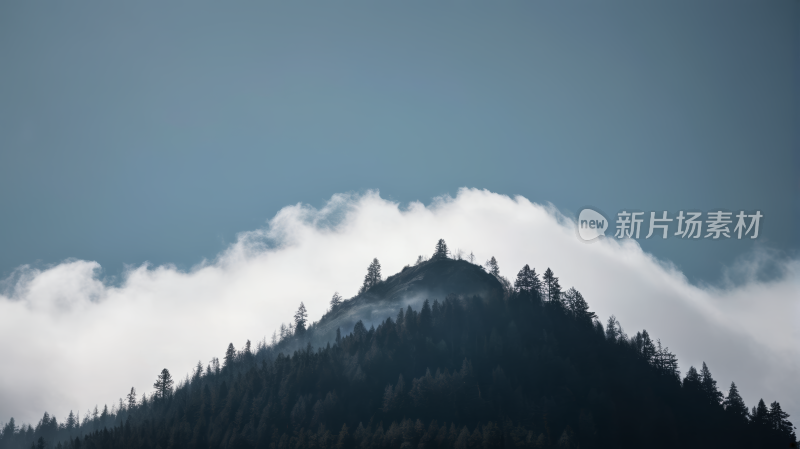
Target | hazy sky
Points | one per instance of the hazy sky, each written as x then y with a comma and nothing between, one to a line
135,132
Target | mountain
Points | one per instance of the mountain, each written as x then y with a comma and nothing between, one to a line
433,279
450,360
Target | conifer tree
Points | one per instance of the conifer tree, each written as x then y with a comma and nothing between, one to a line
163,384
577,305
441,251
527,281
552,289
760,414
70,423
9,429
131,399
300,318
198,372
373,276
778,419
734,404
336,300
230,356
709,386
666,361
648,349
692,380
425,316
612,330
492,267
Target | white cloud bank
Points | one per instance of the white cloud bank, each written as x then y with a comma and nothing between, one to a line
69,341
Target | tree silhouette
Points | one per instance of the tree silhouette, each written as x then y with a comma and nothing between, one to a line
734,404
577,305
131,399
527,281
230,356
163,384
552,289
373,276
336,300
300,319
492,267
778,418
709,386
441,251
760,414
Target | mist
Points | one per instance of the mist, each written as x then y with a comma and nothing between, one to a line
74,339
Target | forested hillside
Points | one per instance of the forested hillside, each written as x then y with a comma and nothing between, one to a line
526,365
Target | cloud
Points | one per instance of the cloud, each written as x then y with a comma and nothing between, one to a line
72,341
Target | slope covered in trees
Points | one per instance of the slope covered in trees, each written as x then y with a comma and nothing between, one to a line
526,367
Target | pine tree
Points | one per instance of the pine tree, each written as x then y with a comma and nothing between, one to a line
131,399
692,380
612,329
300,318
198,372
9,430
552,289
577,305
646,348
709,386
336,300
373,276
359,330
441,251
527,281
493,267
70,423
760,414
284,331
734,404
163,384
230,356
778,419
425,320
666,361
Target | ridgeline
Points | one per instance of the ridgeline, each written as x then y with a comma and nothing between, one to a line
444,354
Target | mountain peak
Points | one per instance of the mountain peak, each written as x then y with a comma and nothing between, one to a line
432,279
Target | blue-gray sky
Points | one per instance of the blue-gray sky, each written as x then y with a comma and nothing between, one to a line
134,132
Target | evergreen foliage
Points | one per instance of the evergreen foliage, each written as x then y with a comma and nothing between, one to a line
373,276
163,386
336,300
493,267
464,372
441,251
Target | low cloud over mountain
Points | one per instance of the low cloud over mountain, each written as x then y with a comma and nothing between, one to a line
73,340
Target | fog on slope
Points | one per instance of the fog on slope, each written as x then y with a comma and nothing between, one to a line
72,341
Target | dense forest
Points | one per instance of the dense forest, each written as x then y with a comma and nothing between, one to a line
523,364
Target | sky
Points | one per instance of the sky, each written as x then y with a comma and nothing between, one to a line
141,142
